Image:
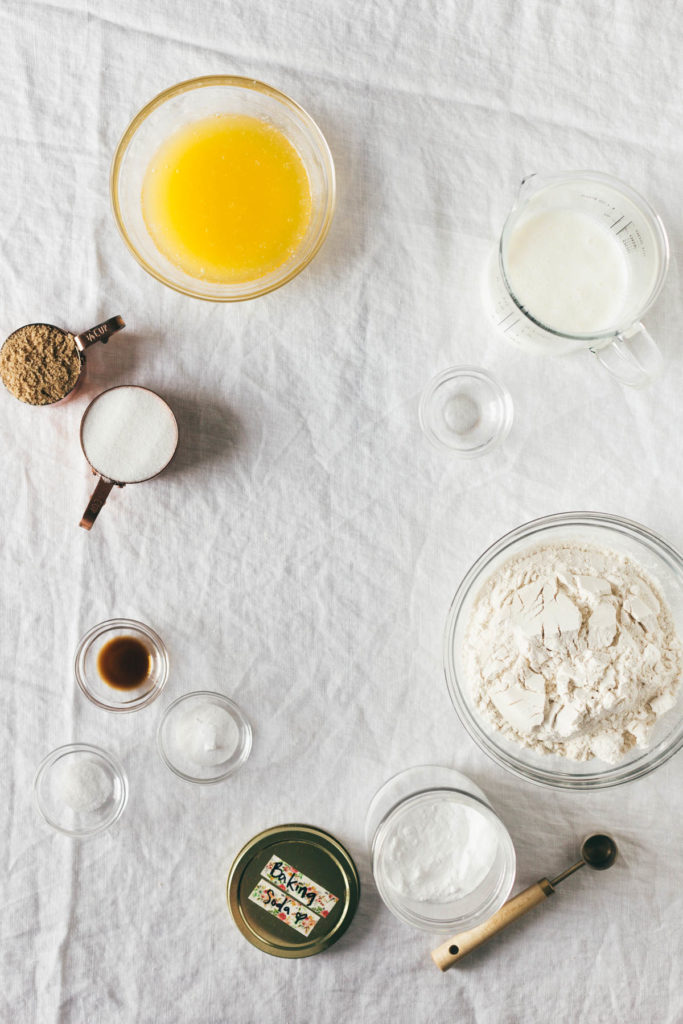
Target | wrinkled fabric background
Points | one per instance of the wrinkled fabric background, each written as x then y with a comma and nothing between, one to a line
302,551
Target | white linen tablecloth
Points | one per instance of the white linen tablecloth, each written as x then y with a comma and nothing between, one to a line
301,553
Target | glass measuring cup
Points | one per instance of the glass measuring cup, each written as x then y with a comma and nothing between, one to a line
610,220
128,435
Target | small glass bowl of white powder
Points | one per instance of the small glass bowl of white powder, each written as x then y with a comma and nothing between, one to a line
204,737
80,790
442,859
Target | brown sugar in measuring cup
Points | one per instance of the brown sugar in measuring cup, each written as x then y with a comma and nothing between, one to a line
41,364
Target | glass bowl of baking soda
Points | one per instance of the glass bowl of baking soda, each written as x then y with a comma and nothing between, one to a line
442,859
563,652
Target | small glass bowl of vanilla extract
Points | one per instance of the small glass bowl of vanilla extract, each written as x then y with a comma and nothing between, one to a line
121,665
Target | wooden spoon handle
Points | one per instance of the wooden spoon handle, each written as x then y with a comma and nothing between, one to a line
448,953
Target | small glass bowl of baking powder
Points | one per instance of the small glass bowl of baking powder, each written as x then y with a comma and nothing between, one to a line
204,737
662,562
80,790
442,859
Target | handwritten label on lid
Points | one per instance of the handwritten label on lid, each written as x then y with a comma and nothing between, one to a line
275,902
297,885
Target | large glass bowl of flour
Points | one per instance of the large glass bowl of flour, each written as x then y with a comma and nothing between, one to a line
643,549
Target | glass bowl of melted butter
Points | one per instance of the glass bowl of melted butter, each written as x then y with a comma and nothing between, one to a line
223,188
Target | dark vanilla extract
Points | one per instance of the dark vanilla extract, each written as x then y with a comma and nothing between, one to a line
124,662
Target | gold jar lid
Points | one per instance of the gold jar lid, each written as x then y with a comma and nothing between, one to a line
293,890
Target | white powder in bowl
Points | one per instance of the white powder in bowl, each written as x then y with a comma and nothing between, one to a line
206,735
81,785
572,650
129,434
439,850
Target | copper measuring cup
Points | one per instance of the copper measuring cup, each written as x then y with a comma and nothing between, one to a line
100,332
105,483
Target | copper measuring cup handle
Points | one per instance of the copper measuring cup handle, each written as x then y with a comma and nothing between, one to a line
97,500
101,332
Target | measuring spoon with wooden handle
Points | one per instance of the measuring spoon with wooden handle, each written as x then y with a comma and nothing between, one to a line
598,851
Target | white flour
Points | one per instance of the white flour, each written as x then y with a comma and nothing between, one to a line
572,650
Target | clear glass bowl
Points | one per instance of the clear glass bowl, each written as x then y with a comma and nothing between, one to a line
174,753
465,410
190,101
101,693
80,790
423,786
660,560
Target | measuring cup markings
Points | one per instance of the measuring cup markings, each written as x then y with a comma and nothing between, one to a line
621,343
100,332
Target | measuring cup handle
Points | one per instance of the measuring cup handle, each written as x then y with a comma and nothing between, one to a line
97,500
633,358
101,332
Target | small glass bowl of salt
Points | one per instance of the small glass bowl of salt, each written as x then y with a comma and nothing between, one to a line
80,790
204,737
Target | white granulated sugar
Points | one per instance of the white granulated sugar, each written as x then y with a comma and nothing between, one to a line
439,851
572,650
129,434
81,785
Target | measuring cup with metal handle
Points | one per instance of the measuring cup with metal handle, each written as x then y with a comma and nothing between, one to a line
101,332
105,482
623,346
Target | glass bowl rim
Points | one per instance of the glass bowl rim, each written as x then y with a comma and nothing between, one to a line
243,725
134,625
230,81
410,770
497,387
615,775
69,748
507,846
